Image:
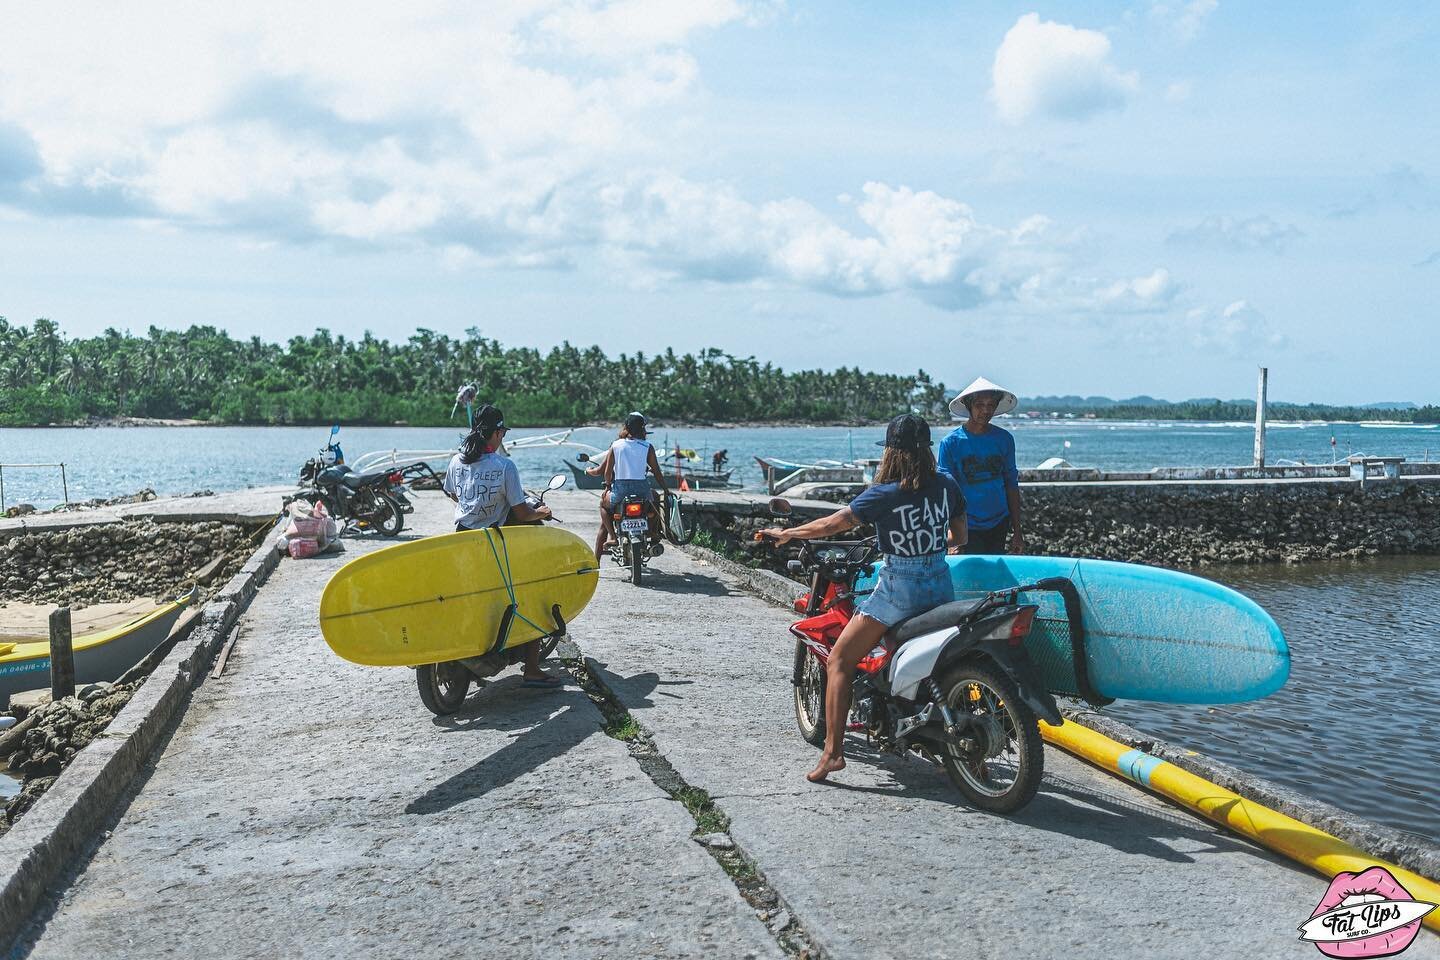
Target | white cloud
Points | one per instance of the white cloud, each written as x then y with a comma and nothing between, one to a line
1237,330
627,27
1252,233
1049,69
1183,21
522,133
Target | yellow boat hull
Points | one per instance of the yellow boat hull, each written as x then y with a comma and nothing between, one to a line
444,598
100,655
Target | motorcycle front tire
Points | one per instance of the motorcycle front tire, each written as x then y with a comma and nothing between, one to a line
809,695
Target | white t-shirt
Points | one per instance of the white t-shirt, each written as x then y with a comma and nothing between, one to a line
632,458
485,489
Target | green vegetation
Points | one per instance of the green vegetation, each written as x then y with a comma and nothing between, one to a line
203,373
622,727
708,819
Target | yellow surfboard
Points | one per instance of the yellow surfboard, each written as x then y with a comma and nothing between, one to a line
444,598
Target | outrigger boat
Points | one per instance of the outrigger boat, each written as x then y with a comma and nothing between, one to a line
115,639
780,475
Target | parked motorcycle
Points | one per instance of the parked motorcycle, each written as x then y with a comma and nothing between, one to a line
444,686
366,498
953,684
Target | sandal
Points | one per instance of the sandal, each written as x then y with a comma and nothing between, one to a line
543,683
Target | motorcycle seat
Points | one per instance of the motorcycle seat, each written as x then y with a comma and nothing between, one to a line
936,618
357,480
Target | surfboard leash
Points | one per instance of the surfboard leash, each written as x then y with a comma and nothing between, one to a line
508,579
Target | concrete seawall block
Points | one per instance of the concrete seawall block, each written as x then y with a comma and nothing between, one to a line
46,841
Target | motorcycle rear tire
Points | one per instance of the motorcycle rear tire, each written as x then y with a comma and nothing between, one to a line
809,695
388,517
637,564
443,686
1022,730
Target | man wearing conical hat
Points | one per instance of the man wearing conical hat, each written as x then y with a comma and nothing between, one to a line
981,458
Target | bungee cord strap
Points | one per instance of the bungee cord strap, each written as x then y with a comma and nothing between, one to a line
506,622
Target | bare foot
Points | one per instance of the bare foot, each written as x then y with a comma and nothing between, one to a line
824,768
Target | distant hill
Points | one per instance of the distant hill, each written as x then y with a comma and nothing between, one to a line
1213,408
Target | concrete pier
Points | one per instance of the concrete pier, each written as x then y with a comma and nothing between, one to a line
307,807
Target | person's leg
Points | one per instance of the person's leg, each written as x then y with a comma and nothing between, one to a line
858,638
990,541
603,537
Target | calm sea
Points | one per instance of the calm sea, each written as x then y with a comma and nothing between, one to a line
1351,727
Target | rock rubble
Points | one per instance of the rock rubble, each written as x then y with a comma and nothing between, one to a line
49,736
1186,525
115,561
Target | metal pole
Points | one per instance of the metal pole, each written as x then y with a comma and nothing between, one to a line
1260,418
62,655
2,489
64,486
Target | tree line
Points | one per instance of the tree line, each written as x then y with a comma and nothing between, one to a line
203,373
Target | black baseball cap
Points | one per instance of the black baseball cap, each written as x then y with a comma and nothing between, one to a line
488,419
635,421
907,432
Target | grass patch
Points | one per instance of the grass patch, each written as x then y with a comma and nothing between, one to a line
622,727
707,818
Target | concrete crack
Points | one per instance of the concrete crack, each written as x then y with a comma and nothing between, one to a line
712,824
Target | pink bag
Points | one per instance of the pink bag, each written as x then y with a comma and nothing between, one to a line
302,548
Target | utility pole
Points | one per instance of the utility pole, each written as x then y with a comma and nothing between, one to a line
1260,418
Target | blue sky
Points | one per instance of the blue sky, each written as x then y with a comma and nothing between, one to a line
1146,197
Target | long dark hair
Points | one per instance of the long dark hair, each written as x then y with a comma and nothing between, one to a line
476,443
911,469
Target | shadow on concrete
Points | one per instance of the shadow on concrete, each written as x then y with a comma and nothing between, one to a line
546,725
1062,806
691,584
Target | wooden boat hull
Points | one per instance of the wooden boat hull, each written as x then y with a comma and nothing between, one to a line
105,655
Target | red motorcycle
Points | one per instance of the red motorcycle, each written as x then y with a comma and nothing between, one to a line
953,684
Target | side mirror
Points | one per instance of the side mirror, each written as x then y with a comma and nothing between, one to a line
334,430
779,507
556,482
583,457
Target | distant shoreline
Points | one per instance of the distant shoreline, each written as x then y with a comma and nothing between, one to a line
128,422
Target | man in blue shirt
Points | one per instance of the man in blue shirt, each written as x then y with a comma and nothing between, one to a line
980,457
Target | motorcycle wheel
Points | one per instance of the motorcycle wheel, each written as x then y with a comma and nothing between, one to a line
388,518
637,563
442,686
809,695
1002,773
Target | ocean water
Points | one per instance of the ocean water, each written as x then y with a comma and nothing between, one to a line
1352,726
106,461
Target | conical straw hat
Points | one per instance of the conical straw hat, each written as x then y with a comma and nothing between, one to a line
1006,404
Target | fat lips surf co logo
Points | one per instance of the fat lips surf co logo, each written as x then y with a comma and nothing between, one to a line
1365,915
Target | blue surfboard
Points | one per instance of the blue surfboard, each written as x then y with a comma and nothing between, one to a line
1150,633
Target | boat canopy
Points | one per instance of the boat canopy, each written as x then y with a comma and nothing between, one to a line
400,459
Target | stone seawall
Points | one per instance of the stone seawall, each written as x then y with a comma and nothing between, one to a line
1196,524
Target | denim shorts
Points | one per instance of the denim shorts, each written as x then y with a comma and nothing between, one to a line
620,489
907,586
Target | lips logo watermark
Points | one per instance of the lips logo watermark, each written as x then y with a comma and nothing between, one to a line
1365,915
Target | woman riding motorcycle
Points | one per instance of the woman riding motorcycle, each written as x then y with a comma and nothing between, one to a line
917,513
626,464
485,486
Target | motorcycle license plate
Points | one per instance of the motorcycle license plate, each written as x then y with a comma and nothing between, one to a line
633,526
